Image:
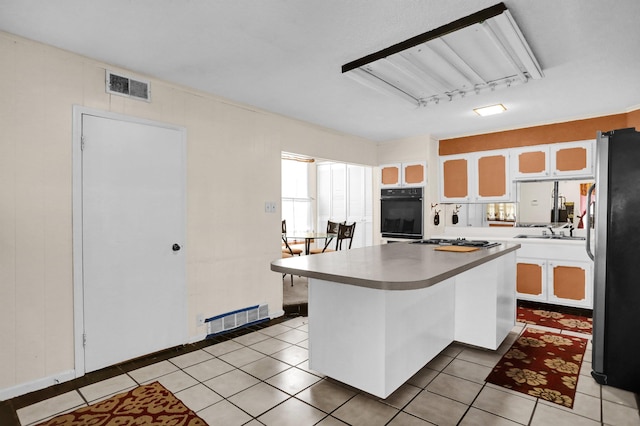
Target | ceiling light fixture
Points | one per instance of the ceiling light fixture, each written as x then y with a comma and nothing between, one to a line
490,110
480,52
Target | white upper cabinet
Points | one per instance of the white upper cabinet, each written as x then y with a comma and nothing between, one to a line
573,159
456,178
410,174
390,175
476,177
493,178
530,163
568,160
414,173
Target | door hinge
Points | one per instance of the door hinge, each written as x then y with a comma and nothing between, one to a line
82,143
84,340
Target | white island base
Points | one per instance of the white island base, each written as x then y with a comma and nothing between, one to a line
375,340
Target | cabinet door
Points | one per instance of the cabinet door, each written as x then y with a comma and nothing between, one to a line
414,174
493,178
390,175
569,283
530,163
455,172
573,159
531,279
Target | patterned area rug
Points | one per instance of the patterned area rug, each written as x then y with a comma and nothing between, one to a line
542,364
150,404
552,319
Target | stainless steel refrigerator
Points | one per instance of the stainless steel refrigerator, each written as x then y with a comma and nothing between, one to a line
616,254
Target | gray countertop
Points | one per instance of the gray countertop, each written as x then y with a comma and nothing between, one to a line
396,266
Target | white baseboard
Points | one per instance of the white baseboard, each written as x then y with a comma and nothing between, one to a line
276,314
197,338
35,385
65,376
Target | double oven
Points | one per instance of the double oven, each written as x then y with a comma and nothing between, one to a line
401,213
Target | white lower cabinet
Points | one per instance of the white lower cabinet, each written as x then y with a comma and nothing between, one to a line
570,283
555,273
531,282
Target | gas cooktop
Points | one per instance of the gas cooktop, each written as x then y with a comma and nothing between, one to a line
457,242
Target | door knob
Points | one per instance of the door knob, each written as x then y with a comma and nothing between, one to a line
175,247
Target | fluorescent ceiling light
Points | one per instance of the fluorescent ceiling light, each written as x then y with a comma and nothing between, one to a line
490,110
376,83
480,52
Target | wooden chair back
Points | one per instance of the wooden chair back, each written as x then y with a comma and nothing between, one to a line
345,232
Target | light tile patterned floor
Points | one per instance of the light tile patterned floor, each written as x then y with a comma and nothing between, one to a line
262,378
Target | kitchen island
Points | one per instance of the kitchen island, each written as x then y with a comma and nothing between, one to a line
378,314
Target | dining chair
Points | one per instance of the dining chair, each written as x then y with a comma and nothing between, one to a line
293,251
288,251
332,228
345,232
284,256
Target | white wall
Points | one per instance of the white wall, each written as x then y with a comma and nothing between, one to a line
233,163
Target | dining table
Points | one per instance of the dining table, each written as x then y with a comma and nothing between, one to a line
310,236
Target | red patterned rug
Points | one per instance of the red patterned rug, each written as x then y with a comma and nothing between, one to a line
150,404
542,364
552,319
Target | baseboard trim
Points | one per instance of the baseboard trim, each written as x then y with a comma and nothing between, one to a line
276,314
197,338
196,342
36,385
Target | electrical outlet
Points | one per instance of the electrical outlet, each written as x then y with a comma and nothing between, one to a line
270,206
200,319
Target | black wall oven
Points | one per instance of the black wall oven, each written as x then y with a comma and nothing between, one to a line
401,213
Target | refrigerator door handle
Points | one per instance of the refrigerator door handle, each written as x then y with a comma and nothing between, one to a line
587,221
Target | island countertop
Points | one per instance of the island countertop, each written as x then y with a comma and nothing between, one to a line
395,266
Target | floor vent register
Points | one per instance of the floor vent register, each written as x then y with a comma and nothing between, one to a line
236,319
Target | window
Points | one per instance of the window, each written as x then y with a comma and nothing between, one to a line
296,202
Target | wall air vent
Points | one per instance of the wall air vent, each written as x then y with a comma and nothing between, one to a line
237,319
127,86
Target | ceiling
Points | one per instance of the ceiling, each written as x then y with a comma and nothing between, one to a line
285,56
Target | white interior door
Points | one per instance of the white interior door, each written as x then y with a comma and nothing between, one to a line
133,232
360,204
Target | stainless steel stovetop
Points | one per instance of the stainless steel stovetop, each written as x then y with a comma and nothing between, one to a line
457,242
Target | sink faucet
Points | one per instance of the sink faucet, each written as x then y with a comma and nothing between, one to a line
570,226
550,228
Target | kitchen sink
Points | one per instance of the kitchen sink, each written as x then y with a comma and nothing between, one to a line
550,237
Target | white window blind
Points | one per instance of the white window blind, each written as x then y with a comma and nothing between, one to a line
296,203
